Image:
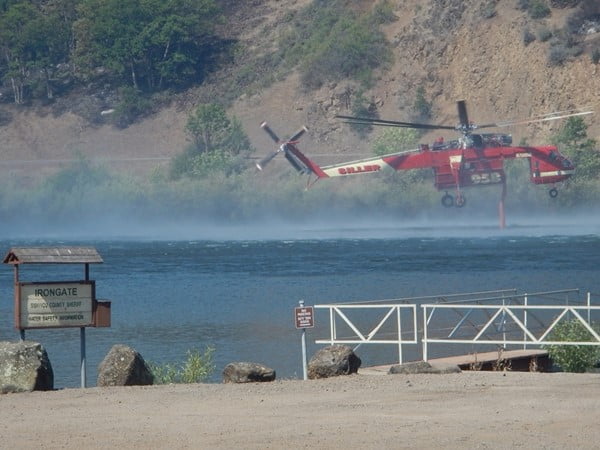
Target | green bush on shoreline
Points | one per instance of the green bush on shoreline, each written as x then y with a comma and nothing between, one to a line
197,367
573,358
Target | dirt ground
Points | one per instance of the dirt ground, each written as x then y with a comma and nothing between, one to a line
466,410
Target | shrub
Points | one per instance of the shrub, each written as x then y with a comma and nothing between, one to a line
575,50
383,12
421,107
574,22
5,118
488,10
538,9
132,106
207,163
523,5
528,37
596,55
361,107
394,140
196,368
544,34
330,42
573,358
564,3
557,55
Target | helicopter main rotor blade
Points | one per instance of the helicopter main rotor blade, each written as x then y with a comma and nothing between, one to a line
541,118
392,123
462,114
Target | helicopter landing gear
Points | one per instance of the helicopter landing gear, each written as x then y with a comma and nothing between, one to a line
449,201
553,192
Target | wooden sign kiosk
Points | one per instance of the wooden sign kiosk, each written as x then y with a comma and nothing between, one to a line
58,304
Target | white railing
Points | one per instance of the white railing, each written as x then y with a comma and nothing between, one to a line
501,318
506,321
389,313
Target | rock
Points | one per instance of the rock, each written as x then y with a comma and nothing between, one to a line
333,361
422,367
123,366
247,372
24,367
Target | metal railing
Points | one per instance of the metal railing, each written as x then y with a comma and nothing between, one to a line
374,335
501,318
515,321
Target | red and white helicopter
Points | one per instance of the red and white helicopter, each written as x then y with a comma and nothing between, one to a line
473,160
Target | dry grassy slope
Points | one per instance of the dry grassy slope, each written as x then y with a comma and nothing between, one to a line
481,61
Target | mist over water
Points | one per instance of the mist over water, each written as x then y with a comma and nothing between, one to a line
320,224
182,283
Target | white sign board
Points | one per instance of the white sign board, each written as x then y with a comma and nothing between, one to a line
56,305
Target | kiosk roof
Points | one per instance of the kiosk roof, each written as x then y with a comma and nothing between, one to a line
53,255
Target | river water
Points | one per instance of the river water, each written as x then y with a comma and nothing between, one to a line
237,292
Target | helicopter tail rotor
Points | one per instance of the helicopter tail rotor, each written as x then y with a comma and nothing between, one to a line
286,147
267,159
270,132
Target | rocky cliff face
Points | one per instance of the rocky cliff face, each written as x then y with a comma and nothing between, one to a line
453,48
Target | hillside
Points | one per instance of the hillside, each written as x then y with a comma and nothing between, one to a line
447,47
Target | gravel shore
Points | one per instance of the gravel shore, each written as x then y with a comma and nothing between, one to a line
465,410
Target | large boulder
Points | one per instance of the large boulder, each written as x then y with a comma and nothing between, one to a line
422,367
332,361
123,366
24,367
247,372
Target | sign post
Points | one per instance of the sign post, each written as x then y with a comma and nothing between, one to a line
304,319
58,304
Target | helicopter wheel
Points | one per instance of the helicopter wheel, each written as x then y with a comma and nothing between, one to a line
460,201
553,193
448,201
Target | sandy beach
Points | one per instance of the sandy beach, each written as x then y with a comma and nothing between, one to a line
465,410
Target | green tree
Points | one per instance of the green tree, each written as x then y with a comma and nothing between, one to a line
218,143
178,39
33,42
581,150
5,4
107,34
150,43
572,132
208,125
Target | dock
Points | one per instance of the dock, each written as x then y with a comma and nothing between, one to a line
533,360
